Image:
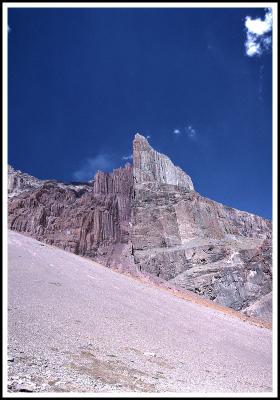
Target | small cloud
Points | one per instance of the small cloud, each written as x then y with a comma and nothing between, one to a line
258,34
177,132
191,132
126,158
267,41
252,48
148,137
90,166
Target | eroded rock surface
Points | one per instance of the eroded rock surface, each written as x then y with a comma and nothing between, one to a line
19,182
90,221
151,166
198,244
149,219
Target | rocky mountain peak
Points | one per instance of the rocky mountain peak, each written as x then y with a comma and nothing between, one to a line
141,142
147,219
152,166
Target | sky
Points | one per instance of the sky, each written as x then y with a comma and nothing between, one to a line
196,82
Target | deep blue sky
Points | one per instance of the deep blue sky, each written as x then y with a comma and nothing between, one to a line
82,82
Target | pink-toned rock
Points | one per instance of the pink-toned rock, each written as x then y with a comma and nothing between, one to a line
196,243
87,221
148,219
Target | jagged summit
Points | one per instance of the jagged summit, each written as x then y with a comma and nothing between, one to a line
152,166
148,166
19,182
138,136
148,219
141,142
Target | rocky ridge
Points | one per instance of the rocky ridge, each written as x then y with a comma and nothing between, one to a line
148,219
88,220
19,182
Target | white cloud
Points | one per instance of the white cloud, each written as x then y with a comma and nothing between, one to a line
148,137
258,34
127,157
258,26
252,48
267,42
191,132
90,166
188,131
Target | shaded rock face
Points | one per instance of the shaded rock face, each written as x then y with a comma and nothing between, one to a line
200,245
148,219
91,221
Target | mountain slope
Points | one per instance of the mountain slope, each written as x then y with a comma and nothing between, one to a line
148,219
76,325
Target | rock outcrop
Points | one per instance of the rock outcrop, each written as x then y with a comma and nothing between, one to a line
151,166
148,219
198,244
91,221
19,182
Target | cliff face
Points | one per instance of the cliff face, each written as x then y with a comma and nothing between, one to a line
201,245
148,219
195,243
91,221
151,166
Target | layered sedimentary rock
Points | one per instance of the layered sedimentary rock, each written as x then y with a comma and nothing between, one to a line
198,244
148,219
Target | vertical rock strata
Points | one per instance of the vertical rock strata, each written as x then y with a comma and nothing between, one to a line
92,221
151,166
149,219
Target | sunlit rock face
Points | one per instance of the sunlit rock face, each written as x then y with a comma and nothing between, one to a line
19,182
151,166
148,219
